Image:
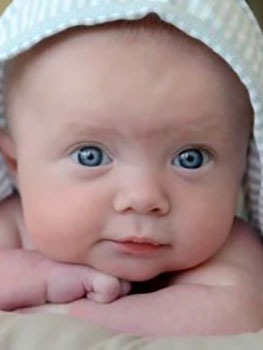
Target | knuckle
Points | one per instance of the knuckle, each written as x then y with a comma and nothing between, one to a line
107,284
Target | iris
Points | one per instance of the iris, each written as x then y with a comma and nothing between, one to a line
190,159
90,156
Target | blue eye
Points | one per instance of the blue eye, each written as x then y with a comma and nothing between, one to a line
91,156
191,158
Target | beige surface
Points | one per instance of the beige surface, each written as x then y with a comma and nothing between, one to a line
42,332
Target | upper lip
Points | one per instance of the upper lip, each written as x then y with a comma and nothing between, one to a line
140,240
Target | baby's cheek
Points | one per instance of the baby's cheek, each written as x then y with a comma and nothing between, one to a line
56,232
203,237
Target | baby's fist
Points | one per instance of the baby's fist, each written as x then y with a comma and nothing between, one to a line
71,282
106,289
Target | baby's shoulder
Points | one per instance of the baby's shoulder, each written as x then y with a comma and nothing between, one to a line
10,219
10,209
239,261
243,249
235,273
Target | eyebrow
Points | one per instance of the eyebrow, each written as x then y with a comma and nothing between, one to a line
204,128
86,129
86,132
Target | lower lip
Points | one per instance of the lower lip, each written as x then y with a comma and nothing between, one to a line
139,248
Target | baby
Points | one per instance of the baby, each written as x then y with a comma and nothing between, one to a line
128,144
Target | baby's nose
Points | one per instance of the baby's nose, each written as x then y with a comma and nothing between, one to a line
141,194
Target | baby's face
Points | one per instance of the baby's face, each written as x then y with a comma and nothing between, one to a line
130,152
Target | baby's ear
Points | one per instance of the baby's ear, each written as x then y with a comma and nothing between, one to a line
7,148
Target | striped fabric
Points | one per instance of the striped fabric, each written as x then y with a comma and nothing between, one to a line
228,27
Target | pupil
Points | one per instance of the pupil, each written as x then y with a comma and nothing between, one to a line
90,156
190,158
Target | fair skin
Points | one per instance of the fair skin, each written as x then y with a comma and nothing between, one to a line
167,126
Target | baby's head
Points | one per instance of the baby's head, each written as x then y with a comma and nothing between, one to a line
128,142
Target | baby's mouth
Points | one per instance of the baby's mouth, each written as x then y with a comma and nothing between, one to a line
141,240
139,245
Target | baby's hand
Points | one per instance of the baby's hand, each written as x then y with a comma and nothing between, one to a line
67,282
28,279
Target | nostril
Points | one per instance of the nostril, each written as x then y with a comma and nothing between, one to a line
140,205
156,211
143,197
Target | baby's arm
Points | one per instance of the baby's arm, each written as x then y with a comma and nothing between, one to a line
222,296
28,278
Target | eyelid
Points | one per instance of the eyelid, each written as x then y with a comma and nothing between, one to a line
199,147
82,144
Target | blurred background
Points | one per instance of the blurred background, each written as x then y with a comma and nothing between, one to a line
256,5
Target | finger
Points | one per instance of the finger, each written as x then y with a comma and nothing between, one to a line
125,287
100,298
105,289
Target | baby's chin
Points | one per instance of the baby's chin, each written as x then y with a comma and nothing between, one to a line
145,272
135,275
138,277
